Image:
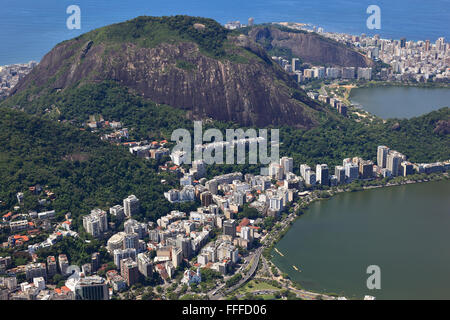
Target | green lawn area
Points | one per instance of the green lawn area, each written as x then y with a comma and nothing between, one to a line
268,297
255,285
264,296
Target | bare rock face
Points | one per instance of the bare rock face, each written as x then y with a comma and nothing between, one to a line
310,47
442,127
249,89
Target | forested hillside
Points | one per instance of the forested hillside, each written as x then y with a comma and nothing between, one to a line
82,171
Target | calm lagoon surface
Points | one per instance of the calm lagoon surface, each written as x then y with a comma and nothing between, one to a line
405,230
400,102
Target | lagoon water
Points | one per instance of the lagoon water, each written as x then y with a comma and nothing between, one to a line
400,102
405,230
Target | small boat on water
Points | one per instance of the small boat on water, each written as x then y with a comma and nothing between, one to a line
296,269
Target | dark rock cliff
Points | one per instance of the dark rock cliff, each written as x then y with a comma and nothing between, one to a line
310,47
244,86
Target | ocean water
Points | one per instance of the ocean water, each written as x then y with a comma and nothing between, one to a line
30,28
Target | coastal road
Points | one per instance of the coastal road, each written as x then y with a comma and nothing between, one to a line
255,262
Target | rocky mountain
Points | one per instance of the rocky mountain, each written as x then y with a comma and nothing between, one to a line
310,47
185,62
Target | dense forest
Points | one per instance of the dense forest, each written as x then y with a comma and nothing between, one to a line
143,118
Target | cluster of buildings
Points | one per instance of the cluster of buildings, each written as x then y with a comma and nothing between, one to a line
300,74
23,227
393,163
233,25
97,121
142,249
144,149
187,179
390,163
334,102
351,169
96,223
180,237
84,285
118,134
60,231
419,61
11,74
229,193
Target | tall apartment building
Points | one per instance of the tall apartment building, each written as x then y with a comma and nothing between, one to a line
118,212
229,228
308,73
91,288
35,270
287,164
51,266
120,254
319,72
95,261
276,171
199,168
96,223
394,159
131,241
322,174
145,264
303,168
382,153
177,256
351,171
366,169
295,64
185,245
115,242
348,73
131,205
407,168
132,226
63,263
246,233
212,186
206,198
364,73
129,271
339,172
310,177
276,204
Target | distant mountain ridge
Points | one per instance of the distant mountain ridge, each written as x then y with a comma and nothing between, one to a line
186,62
310,47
